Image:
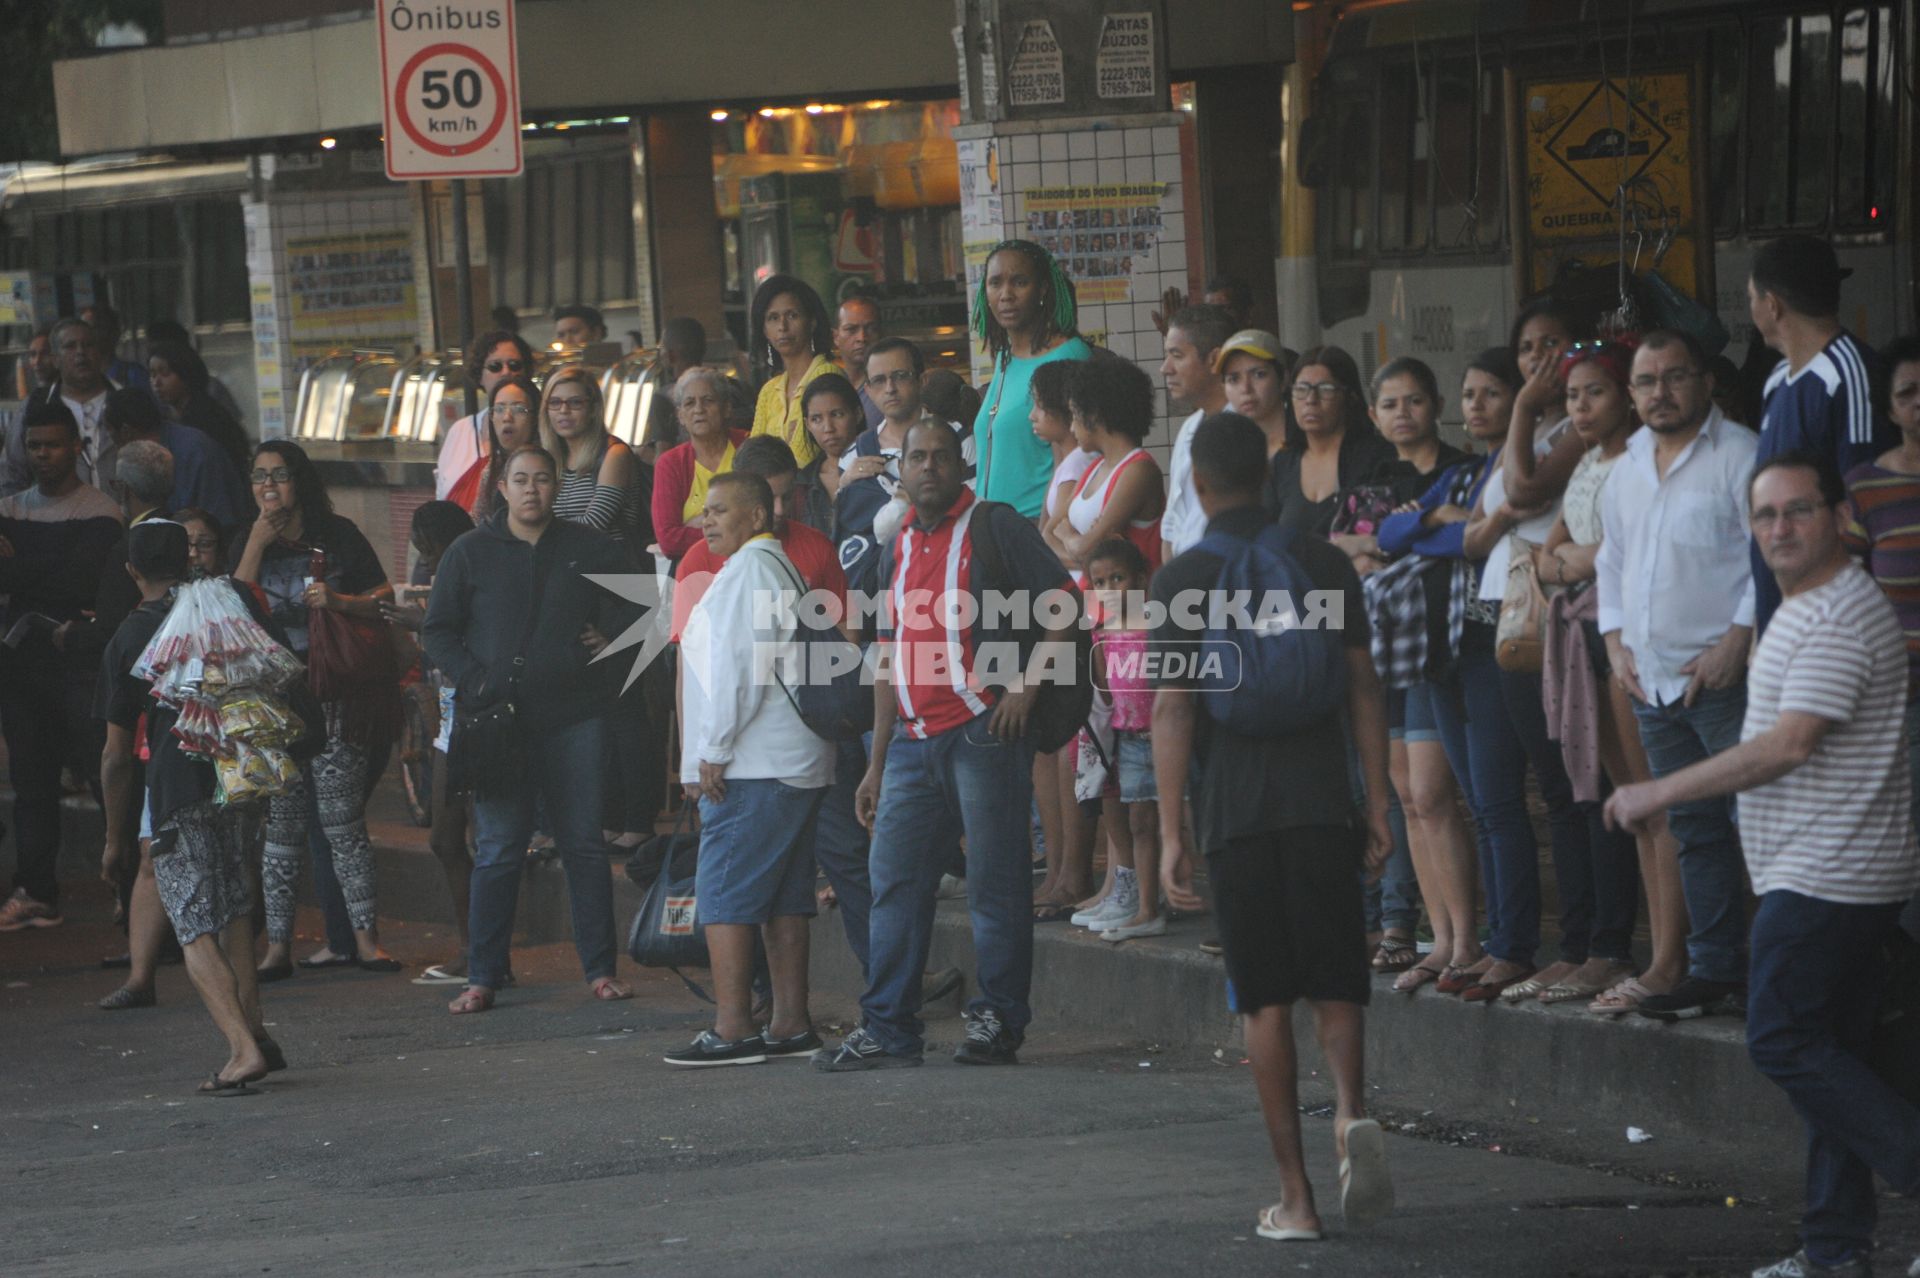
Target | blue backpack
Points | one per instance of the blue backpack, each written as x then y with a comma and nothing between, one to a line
1288,677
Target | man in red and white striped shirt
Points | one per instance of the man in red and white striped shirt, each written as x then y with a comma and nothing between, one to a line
951,751
1825,819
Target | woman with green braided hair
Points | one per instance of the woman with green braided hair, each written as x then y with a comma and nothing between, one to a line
1024,313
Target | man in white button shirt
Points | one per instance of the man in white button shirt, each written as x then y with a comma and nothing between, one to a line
1676,609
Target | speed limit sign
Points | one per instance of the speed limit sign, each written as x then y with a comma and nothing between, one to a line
452,89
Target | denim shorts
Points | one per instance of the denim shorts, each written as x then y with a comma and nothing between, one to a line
1133,761
756,852
1418,723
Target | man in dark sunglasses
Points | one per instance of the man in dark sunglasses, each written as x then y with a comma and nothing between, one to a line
495,356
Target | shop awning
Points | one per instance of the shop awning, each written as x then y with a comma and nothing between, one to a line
576,57
54,188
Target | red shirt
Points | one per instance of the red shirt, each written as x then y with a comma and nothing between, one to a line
931,659
812,553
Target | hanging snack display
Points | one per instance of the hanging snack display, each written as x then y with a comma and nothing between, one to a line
226,676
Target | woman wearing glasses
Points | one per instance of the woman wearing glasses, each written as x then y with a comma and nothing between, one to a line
1329,444
513,407
493,357
303,557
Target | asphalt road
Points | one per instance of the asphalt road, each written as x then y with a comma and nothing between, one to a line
547,1137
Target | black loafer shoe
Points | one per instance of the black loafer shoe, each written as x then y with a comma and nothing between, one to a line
710,1049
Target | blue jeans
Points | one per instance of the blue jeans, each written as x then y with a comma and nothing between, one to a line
1712,874
966,779
1815,987
1491,765
566,767
1596,870
840,849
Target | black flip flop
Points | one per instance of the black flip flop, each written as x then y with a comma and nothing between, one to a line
338,960
279,972
376,964
225,1088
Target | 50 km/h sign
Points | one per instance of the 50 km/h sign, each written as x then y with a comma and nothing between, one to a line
451,89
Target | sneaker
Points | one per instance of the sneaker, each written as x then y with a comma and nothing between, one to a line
22,911
802,1044
710,1049
1116,907
1690,998
1212,946
1156,926
987,1041
1798,1265
859,1050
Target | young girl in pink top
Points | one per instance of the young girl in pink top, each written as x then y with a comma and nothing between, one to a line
1117,578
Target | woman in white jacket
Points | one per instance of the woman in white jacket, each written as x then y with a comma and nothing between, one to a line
759,774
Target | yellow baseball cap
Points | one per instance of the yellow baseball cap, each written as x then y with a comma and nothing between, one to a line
1254,341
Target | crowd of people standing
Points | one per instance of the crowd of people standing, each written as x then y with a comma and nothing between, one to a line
1615,590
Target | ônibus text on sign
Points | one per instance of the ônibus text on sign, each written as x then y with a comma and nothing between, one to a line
450,94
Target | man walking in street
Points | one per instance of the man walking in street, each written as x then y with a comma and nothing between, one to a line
201,850
1819,398
1822,777
856,327
1284,845
1676,611
950,751
55,540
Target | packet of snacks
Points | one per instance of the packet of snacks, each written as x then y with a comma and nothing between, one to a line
252,774
259,719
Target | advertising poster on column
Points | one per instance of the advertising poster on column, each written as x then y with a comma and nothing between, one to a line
1100,234
356,289
1038,75
1123,64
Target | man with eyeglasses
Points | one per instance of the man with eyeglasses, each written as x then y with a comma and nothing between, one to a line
1676,610
494,357
1825,818
895,367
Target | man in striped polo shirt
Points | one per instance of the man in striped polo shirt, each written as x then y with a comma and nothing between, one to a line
1825,816
1819,399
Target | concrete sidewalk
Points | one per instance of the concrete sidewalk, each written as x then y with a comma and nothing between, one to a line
1559,1070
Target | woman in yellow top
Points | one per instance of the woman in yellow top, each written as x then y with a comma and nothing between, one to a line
794,346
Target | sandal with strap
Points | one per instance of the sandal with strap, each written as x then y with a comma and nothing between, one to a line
1457,979
1570,990
474,998
1270,1227
1621,999
1415,977
1396,954
608,990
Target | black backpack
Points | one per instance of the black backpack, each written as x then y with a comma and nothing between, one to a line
1061,709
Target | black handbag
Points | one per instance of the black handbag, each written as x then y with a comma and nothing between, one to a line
485,750
667,931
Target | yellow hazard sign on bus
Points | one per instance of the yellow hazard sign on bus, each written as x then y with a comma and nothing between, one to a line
1598,149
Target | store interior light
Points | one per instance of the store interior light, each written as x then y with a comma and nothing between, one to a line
720,117
814,108
327,144
767,113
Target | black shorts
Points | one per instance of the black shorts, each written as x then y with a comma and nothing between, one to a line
1291,916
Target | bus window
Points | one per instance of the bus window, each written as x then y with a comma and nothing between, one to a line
1403,160
1466,157
1352,178
1812,119
1868,124
1726,86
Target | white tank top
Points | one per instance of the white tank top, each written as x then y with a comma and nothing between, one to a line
1090,498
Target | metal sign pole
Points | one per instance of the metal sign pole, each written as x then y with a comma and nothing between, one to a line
463,284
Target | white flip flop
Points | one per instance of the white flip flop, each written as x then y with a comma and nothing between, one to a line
1267,1229
1366,1187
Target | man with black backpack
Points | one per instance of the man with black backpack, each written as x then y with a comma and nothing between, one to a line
1265,700
955,730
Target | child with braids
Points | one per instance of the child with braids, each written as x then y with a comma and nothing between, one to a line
1024,312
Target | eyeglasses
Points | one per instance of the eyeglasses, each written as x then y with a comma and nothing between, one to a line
899,377
516,410
1794,512
506,366
572,404
204,543
1316,390
1672,379
278,475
